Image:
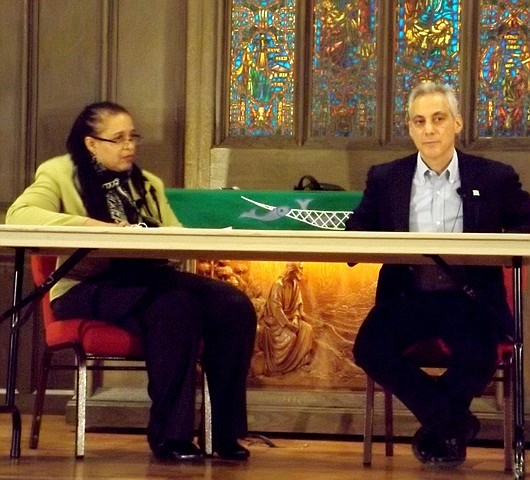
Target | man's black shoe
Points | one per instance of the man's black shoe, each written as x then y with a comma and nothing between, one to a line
178,451
451,452
231,450
424,442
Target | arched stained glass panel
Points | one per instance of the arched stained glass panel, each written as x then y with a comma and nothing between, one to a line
344,68
427,48
262,59
503,107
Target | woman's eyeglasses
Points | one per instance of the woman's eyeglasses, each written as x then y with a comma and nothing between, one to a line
135,139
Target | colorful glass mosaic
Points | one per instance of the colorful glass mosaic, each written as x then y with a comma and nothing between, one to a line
503,97
262,60
344,96
427,48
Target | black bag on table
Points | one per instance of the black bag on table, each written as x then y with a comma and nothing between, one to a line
308,182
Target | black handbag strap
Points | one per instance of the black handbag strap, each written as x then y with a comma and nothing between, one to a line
308,182
454,276
464,285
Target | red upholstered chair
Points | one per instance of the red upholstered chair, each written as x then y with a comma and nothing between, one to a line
93,342
435,354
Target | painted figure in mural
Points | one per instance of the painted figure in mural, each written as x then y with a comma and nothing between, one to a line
284,336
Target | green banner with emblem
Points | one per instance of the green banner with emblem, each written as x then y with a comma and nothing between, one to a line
263,209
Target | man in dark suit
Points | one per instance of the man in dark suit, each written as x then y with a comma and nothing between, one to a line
439,189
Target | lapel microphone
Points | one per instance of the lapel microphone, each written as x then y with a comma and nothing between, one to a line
472,192
470,198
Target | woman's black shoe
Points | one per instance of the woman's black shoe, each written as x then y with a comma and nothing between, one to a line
178,451
231,450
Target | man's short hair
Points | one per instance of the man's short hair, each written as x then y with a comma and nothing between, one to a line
429,87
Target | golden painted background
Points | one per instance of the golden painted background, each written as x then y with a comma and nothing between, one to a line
336,300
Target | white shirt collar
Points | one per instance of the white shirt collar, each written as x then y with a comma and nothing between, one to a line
452,172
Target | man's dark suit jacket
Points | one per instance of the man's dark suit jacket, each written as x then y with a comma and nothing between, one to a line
492,200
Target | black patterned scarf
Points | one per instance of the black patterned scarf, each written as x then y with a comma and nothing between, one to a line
120,203
122,207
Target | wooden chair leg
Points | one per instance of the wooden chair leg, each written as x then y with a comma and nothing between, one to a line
38,407
368,422
389,425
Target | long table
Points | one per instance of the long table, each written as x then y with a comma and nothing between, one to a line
322,246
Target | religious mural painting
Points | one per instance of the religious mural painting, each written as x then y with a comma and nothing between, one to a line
308,316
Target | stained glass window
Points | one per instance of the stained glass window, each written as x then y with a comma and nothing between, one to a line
262,60
338,96
427,48
344,68
503,97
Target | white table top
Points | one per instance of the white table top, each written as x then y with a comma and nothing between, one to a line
367,247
